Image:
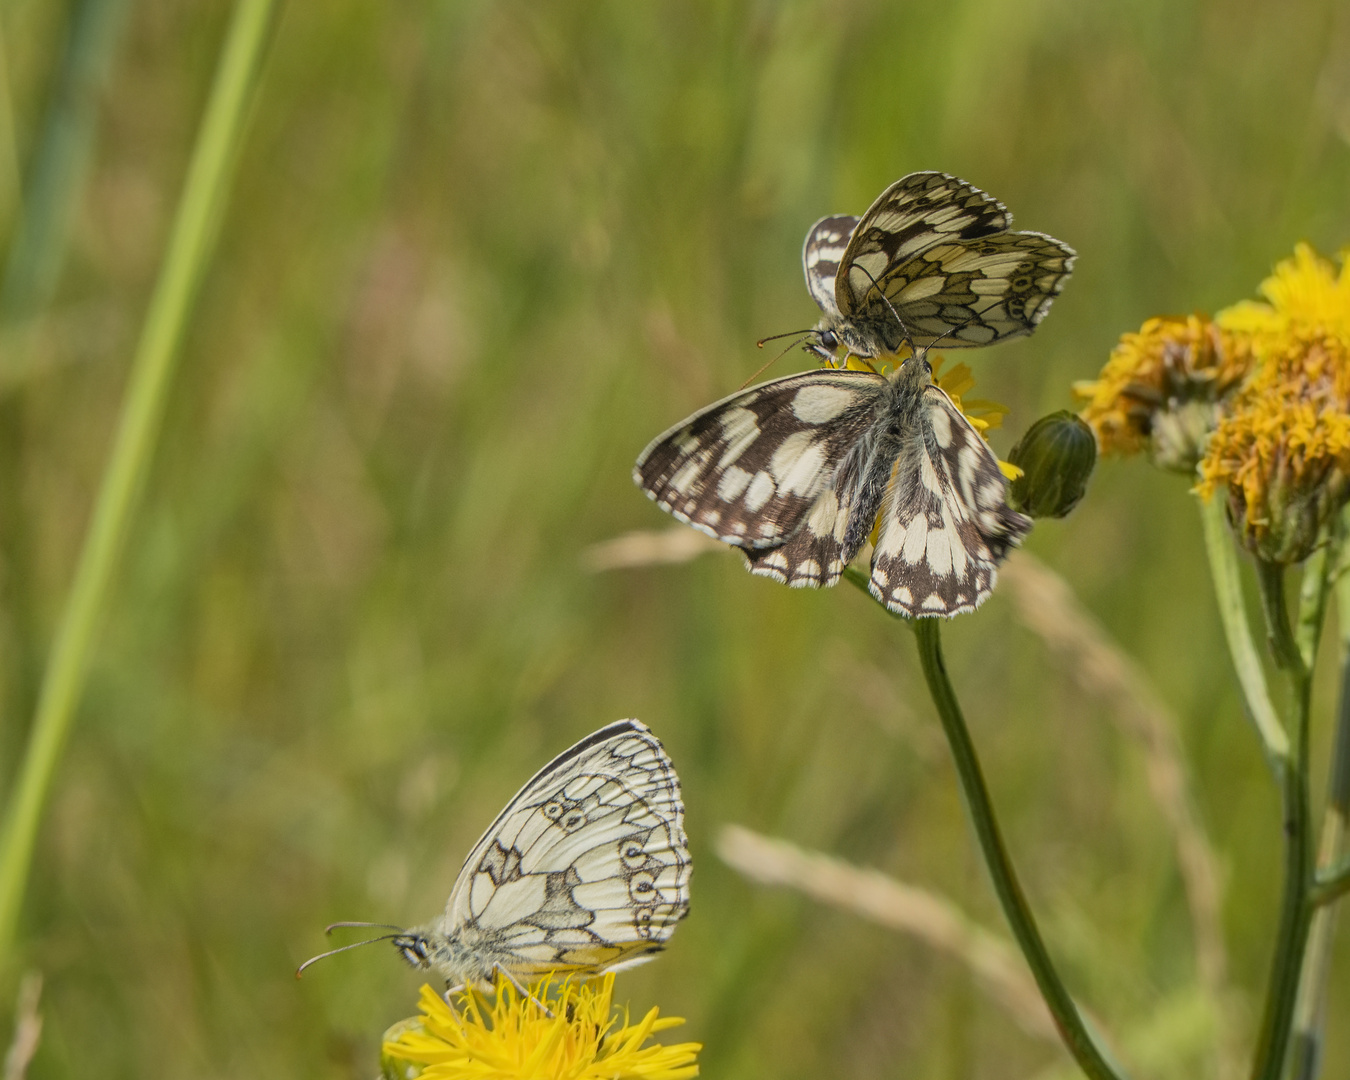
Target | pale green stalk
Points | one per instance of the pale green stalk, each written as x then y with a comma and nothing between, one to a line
1333,877
1223,565
1296,906
190,243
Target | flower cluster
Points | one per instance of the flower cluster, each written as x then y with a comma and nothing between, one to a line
1160,390
563,1031
1255,403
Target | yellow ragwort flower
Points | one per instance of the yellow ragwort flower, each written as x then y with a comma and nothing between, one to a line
1282,446
1161,388
515,1038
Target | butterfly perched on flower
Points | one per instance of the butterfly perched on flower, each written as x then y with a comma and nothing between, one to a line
586,870
932,259
797,472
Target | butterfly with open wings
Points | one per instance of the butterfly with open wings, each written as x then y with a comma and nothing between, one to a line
801,472
586,870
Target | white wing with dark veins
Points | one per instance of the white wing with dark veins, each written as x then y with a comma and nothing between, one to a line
587,867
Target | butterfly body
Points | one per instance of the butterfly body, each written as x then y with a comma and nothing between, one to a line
933,259
585,870
798,472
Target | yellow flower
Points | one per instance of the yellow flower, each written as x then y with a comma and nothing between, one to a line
1282,446
516,1039
1161,388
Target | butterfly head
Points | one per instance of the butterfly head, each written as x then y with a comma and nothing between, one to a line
414,947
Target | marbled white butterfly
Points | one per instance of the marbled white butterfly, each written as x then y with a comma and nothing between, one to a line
932,259
797,472
586,870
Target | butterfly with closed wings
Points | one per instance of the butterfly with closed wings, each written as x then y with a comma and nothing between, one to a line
932,259
586,870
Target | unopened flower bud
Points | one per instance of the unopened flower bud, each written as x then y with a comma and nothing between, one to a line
1056,456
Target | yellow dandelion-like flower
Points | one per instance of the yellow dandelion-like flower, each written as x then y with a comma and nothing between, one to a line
516,1039
1161,388
1282,446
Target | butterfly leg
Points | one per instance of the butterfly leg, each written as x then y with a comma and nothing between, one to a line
451,991
522,990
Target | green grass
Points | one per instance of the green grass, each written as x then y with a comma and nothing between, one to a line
475,256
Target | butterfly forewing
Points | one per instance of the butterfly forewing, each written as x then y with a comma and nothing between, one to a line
586,868
748,470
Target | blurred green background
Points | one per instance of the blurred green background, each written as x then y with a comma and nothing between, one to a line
476,255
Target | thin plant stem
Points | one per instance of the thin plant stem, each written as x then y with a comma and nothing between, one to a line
1223,565
1090,1056
1296,908
190,243
1333,869
56,176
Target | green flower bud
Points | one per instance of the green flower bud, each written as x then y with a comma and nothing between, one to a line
1056,456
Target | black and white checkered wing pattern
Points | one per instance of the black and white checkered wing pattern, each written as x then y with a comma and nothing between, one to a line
586,869
821,255
752,469
936,253
946,524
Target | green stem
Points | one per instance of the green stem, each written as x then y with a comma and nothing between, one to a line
1223,564
1312,605
1332,879
1077,1038
194,229
1296,909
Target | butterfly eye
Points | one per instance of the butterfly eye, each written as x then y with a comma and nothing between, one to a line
553,811
574,820
414,951
642,921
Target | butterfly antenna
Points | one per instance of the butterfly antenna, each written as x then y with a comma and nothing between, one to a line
774,337
333,952
362,926
774,359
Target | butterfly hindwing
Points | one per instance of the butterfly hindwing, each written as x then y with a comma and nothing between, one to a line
748,470
587,867
945,524
978,292
821,255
